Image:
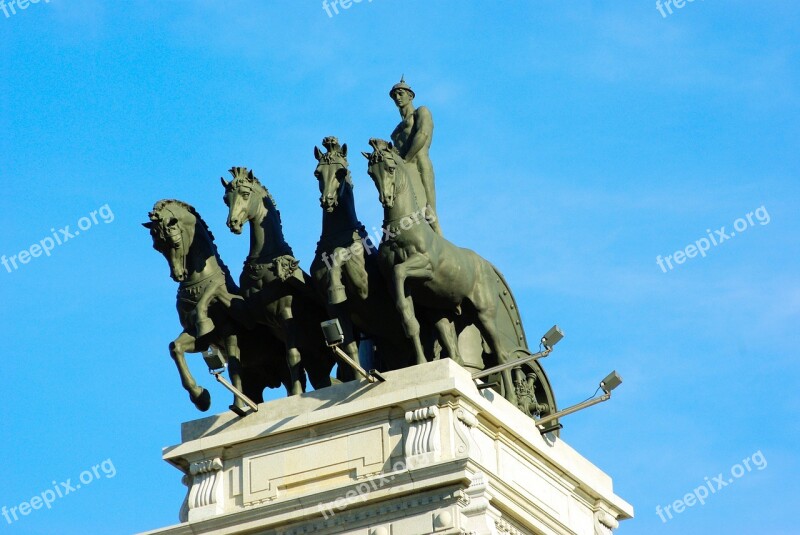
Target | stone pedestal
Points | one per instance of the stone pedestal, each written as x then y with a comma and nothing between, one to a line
423,453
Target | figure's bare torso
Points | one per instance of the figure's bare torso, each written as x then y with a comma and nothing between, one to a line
408,128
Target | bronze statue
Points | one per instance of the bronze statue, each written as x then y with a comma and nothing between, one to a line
430,276
413,137
345,267
208,301
278,292
410,291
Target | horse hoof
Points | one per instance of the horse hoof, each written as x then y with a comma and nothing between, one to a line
203,401
204,327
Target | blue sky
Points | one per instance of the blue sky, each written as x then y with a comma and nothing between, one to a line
578,142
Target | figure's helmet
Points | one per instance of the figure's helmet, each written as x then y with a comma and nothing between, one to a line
401,85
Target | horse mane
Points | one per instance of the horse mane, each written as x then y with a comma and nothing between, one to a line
160,205
382,149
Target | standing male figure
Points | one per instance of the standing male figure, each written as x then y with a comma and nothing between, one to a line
413,137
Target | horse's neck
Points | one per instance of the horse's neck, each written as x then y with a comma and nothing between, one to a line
405,202
343,217
266,237
202,259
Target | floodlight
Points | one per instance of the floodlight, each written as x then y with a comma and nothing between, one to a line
332,330
612,381
334,336
214,359
216,366
552,337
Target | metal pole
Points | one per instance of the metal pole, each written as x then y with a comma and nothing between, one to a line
574,408
236,391
350,362
512,364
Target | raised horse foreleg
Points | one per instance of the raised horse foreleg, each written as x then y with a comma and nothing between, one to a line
416,266
177,349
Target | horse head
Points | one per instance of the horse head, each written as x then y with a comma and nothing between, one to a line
172,227
243,206
383,162
331,172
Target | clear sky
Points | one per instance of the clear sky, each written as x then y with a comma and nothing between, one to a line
575,143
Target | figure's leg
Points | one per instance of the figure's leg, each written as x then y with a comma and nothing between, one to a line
416,266
177,349
425,168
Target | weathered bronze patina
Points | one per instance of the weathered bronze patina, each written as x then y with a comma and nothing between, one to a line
345,267
413,137
278,292
413,294
210,309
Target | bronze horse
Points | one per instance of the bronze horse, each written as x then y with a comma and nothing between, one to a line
209,307
446,283
345,268
279,294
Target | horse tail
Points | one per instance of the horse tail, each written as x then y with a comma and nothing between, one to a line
512,333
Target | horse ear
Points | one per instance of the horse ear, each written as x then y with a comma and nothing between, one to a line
344,150
250,175
148,225
366,154
317,153
224,184
390,146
